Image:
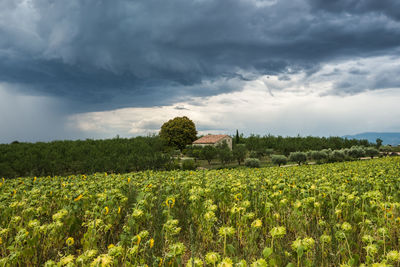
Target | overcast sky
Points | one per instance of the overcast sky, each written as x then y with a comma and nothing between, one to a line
97,68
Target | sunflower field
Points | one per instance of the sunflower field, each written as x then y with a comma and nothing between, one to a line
342,214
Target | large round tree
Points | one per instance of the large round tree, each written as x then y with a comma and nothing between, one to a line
179,132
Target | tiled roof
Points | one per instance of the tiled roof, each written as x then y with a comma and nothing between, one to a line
210,139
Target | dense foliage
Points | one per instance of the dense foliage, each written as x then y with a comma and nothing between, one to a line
279,159
179,132
252,162
285,145
321,215
120,155
72,157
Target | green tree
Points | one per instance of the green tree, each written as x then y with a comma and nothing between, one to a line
356,152
239,153
386,150
208,153
224,153
237,138
378,143
278,159
337,156
252,162
298,157
319,156
192,151
179,132
371,152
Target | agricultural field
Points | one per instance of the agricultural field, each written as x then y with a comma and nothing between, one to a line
322,215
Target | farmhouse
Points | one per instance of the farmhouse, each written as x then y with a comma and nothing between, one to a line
213,140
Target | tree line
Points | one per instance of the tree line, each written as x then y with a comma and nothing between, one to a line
121,155
286,145
281,150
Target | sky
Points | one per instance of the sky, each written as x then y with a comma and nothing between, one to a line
97,68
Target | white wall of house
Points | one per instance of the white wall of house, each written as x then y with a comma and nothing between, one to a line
226,139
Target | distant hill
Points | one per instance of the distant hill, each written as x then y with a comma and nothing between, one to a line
388,138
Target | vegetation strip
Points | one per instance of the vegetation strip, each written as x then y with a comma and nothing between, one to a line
320,215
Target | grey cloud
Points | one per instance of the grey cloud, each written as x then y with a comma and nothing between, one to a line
32,118
284,78
357,71
180,108
368,76
100,55
390,8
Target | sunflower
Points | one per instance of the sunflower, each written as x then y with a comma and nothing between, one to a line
70,241
170,202
256,223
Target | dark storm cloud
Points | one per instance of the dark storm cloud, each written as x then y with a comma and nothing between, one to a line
109,54
390,8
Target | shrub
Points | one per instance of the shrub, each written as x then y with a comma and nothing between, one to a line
279,159
173,165
192,151
337,155
268,152
356,152
253,154
386,150
327,151
188,164
252,162
346,151
371,152
298,157
319,155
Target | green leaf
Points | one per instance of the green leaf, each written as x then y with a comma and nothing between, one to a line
230,248
272,262
290,265
267,252
300,251
354,261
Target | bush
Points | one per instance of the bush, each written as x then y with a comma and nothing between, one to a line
268,152
173,165
253,154
346,152
327,151
188,164
371,152
356,152
298,157
337,155
257,154
192,151
318,155
279,159
386,150
252,162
